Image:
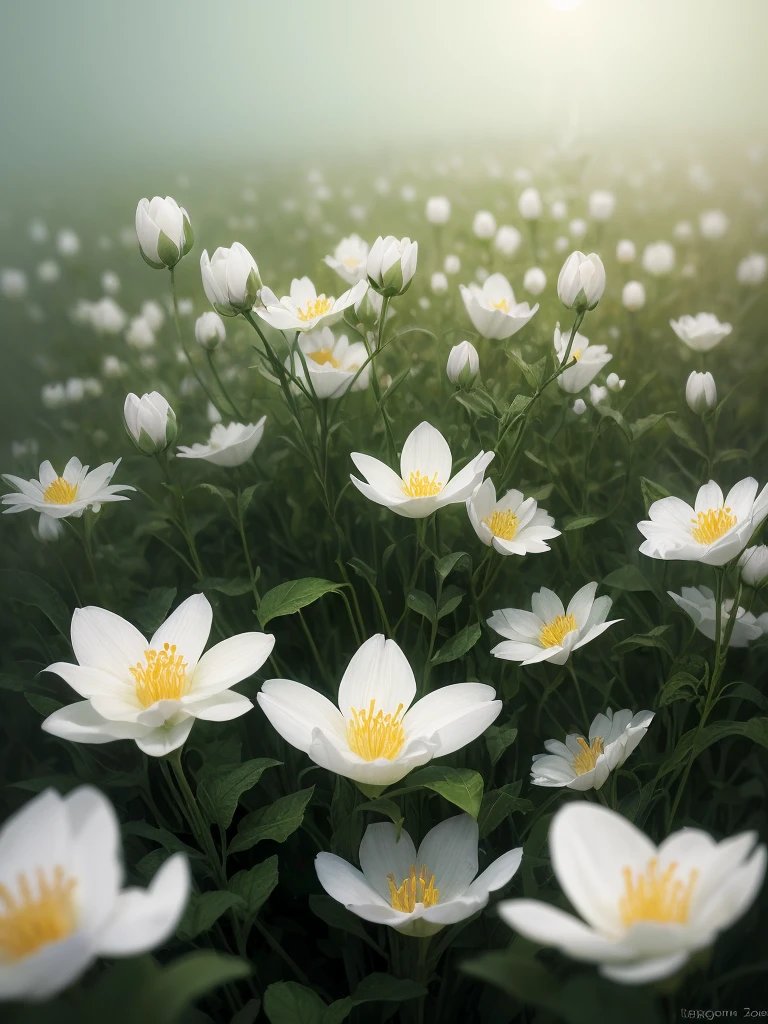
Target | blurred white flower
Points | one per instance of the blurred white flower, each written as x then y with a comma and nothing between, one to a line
74,389
38,231
451,264
67,243
112,368
110,282
614,382
438,283
163,231
601,204
658,258
350,259
597,395
228,446
700,604
558,210
463,364
713,224
150,422
153,313
231,280
212,414
512,525
392,264
754,565
701,392
683,232
333,363
493,310
534,280
107,317
633,296
507,240
590,360
49,271
625,251
53,395
752,270
209,330
438,210
13,283
579,406
484,225
529,204
578,228
139,334
581,282
304,309
701,332
562,244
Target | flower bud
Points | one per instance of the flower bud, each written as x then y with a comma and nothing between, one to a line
633,296
601,204
507,240
614,382
209,330
625,251
754,565
463,364
438,283
451,264
529,204
231,280
579,406
392,264
163,231
701,393
752,270
535,281
438,210
484,224
150,422
581,282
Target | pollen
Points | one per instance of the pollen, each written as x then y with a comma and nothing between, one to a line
322,356
418,887
60,492
418,486
587,759
502,524
502,304
372,734
315,307
656,897
163,676
711,525
576,354
351,262
33,916
553,634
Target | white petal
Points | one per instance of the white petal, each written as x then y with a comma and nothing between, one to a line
48,971
229,662
498,873
641,972
551,926
426,451
96,853
296,710
188,627
81,723
103,640
144,919
220,707
379,671
449,851
162,740
453,715
344,882
382,854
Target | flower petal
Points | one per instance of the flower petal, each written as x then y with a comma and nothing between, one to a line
144,919
103,640
229,662
383,854
188,627
449,851
380,672
296,710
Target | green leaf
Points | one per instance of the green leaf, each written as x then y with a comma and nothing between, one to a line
653,638
521,977
580,522
422,603
291,597
745,691
652,492
26,588
383,805
288,1002
364,570
397,380
203,911
476,401
693,742
222,585
450,563
498,738
183,981
43,705
450,599
498,804
642,426
682,432
384,988
680,686
161,836
534,374
459,644
153,609
167,250
255,885
275,822
220,793
459,786
245,498
628,577
337,916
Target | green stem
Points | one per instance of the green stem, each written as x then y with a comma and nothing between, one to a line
375,380
183,343
222,387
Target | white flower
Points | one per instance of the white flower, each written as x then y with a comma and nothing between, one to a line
62,901
416,892
231,279
550,632
377,734
625,251
683,231
106,316
463,364
110,282
754,565
451,264
590,360
227,446
512,525
658,258
333,363
579,406
583,763
304,309
38,231
438,283
700,604
601,204
701,332
163,231
152,692
150,422
578,228
153,313
633,296
558,210
597,395
614,382
139,334
425,482
714,531
646,909
209,330
438,210
112,368
53,395
493,310
13,283
701,392
484,225
350,258
392,264
581,282
562,244
713,224
535,280
752,270
67,242
48,271
507,240
74,389
529,204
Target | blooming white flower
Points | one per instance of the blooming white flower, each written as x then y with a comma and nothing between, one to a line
625,251
550,632
713,224
377,734
647,909
463,364
493,310
753,269
209,330
163,231
508,240
754,565
701,392
438,210
62,898
529,204
658,258
590,360
633,296
581,282
304,309
484,225
350,259
601,204
512,525
438,283
150,422
231,279
416,892
700,604
535,280
392,264
140,334
714,531
583,763
425,482
227,446
333,363
701,332
152,692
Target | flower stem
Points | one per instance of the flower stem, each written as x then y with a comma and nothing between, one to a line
187,353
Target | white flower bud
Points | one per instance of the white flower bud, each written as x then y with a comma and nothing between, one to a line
507,240
67,243
392,264
753,269
463,364
633,296
658,258
579,406
597,394
614,382
535,280
150,422
601,204
713,224
209,330
139,334
701,392
754,565
625,251
578,228
74,389
582,281
438,210
529,204
153,313
484,224
107,317
558,210
163,231
438,283
451,264
231,279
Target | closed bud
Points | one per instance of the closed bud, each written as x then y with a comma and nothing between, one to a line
625,251
150,422
581,282
701,393
535,281
438,283
529,204
209,330
754,565
438,210
601,204
392,264
633,296
463,365
231,280
484,224
163,231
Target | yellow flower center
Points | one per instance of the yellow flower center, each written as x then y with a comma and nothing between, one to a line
711,525
502,304
372,734
162,677
60,492
315,307
502,524
418,486
30,919
654,897
553,634
416,888
321,356
351,262
576,354
587,759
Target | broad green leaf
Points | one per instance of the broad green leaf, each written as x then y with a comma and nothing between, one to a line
383,805
628,577
43,705
459,644
459,786
220,793
288,1002
178,985
161,836
229,587
680,686
364,570
384,988
652,492
450,563
255,885
642,426
476,401
291,597
693,742
422,603
653,638
498,804
203,911
26,588
534,374
153,609
450,599
498,738
275,822
580,522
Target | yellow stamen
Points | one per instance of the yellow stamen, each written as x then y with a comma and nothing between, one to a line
31,919
315,307
553,634
321,356
351,262
372,734
654,897
502,304
416,888
60,492
418,486
163,677
502,524
711,525
587,759
576,354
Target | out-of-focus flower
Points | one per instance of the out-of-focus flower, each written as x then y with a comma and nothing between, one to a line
153,313
581,283
110,282
658,258
614,382
753,269
392,264
163,231
633,296
416,892
701,392
304,309
13,283
53,396
597,394
231,279
529,204
701,332
754,565
438,283
579,406
550,632
74,389
150,422
558,210
227,446
463,364
49,271
112,368
38,231
512,525
714,531
700,604
425,482
647,909
209,330
601,204
438,210
578,228
350,259
683,232
377,734
713,224
626,251
139,334
493,310
590,360
585,762
535,280
451,264
64,905
484,225
212,414
507,240
67,242
106,316
333,363
562,244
